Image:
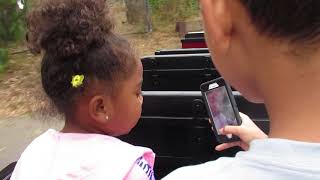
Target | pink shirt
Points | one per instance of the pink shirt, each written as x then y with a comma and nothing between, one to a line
64,156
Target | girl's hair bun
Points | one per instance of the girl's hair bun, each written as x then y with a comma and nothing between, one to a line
67,28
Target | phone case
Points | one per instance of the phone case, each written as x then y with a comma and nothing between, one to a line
204,88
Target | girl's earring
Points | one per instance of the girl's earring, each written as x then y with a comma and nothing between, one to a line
107,117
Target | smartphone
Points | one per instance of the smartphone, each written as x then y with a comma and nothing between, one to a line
221,108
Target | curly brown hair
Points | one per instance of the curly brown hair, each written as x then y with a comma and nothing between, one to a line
76,37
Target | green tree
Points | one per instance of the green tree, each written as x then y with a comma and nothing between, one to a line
3,59
12,27
12,22
174,10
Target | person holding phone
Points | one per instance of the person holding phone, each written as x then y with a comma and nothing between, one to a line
269,51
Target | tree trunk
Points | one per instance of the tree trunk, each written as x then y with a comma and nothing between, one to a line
136,11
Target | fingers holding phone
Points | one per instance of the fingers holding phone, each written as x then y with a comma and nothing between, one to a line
247,132
230,127
221,108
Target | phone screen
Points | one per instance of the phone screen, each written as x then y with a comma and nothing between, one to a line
220,108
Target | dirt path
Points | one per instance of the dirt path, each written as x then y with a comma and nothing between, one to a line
17,133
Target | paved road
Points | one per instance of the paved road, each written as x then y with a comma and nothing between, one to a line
17,133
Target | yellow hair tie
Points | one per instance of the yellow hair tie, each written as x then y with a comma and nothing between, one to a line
77,81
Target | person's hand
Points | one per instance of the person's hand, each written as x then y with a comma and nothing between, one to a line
247,132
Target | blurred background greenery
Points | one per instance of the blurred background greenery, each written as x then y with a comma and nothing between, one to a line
173,10
12,28
134,19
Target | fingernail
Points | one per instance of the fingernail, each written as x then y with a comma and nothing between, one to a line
221,130
229,136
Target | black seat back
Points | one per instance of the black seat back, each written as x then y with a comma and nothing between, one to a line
184,72
199,34
175,125
180,61
174,120
182,51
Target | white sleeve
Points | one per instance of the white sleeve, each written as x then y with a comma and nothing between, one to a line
203,171
141,170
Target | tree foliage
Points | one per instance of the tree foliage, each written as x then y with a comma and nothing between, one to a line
12,27
12,22
174,10
3,59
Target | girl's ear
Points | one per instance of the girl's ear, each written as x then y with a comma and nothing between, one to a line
218,24
100,109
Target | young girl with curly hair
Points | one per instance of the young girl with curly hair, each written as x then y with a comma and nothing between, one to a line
94,79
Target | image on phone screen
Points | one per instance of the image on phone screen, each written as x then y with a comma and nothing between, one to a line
220,108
